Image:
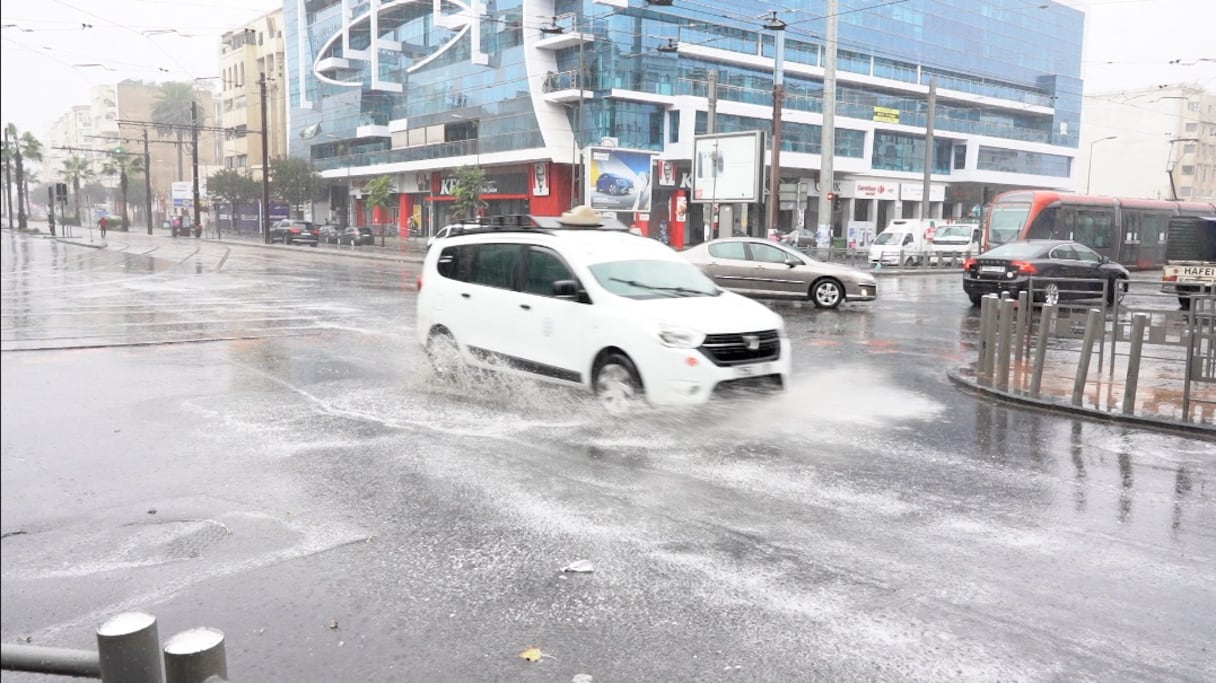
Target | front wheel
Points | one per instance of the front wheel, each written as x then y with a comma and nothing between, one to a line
1116,290
827,294
617,384
976,299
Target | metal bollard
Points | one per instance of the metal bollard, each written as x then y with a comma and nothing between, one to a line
1139,321
1092,322
1023,323
128,648
1046,319
1005,318
196,656
987,308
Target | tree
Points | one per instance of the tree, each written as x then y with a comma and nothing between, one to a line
9,151
295,181
25,147
379,190
233,187
76,169
171,114
470,183
123,164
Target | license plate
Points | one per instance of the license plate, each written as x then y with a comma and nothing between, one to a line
752,370
992,269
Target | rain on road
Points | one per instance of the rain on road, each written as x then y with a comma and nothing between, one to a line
247,438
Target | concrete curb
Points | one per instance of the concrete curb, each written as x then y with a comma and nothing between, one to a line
1155,423
404,258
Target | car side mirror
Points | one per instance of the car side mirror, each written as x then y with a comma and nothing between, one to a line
791,261
566,289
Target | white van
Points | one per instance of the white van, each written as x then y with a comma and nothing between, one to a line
904,242
624,317
954,243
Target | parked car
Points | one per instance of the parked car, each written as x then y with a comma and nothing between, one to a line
1058,269
292,231
446,230
359,236
329,234
800,238
621,316
611,183
759,268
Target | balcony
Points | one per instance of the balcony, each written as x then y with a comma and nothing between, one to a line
330,66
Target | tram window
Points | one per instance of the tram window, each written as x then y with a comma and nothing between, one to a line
1045,226
1095,229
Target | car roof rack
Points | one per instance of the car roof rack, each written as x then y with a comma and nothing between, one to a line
580,218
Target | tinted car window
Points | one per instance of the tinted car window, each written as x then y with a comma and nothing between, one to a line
768,254
1064,251
543,269
455,262
494,265
1086,254
728,250
1016,250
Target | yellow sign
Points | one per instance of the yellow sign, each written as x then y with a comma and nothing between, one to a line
886,115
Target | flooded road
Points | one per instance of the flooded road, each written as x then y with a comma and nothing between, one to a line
248,438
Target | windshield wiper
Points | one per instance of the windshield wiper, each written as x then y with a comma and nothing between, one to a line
681,291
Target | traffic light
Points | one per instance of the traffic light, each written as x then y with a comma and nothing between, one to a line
833,201
61,192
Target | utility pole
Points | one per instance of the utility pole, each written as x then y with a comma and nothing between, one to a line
194,161
147,183
711,119
929,121
827,138
266,161
774,185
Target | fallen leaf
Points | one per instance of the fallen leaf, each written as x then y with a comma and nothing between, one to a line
579,566
532,654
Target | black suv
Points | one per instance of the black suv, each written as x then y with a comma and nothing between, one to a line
291,231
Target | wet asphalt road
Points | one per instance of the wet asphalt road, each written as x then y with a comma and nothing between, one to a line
247,438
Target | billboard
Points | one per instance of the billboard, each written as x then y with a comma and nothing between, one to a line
182,192
618,179
728,167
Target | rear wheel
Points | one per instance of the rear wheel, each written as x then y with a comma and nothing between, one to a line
287,239
827,293
444,355
617,384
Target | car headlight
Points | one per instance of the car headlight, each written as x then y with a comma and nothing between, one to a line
680,337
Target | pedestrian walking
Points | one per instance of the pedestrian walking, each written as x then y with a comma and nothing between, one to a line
102,225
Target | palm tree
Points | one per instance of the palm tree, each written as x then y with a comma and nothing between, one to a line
171,113
123,164
27,149
9,150
76,169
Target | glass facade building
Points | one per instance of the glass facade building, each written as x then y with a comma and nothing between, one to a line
522,87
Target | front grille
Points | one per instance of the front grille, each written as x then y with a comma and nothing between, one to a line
748,386
733,349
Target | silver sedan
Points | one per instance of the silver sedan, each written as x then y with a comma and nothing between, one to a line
767,270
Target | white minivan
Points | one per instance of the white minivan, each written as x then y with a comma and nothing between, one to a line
621,316
904,242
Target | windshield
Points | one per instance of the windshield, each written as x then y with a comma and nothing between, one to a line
653,279
954,232
1006,222
889,238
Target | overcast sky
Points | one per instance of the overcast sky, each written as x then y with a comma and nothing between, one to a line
1129,44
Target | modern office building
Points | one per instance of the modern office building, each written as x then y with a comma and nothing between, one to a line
527,89
247,52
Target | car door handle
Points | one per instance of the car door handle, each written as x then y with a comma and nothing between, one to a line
526,307
466,295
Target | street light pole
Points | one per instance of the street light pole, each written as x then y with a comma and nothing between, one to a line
194,162
147,184
1089,172
1169,165
265,161
774,186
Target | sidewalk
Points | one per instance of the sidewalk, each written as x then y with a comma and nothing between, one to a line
1157,405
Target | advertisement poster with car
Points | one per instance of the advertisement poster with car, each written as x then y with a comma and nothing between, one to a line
619,179
727,168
